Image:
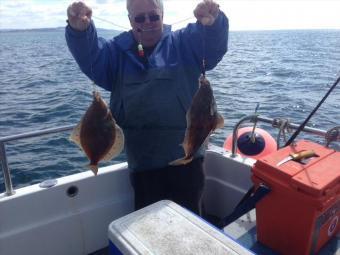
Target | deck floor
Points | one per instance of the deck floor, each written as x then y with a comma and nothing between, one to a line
104,251
243,230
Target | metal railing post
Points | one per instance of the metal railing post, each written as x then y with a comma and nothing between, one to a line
3,158
274,123
5,170
235,132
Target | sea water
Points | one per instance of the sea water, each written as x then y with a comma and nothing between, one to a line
41,86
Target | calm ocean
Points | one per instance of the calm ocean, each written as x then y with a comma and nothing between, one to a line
287,72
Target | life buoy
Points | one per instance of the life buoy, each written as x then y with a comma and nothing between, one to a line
263,145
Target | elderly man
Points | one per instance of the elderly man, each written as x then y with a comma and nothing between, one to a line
152,73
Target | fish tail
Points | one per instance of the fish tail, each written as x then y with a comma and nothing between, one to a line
181,161
94,168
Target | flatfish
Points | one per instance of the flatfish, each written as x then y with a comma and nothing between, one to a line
97,134
202,119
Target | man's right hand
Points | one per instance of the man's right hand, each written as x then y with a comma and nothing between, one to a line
79,16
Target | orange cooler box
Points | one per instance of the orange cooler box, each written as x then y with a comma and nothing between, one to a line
302,211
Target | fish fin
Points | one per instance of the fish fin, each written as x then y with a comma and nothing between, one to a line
188,118
185,143
206,141
181,161
117,146
75,135
213,107
202,80
220,121
94,168
185,147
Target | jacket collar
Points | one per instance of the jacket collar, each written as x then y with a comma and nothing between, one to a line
126,41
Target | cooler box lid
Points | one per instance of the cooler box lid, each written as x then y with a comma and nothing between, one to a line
165,228
319,176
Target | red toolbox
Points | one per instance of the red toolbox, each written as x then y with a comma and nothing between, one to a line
302,211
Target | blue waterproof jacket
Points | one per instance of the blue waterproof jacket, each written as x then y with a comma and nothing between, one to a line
150,97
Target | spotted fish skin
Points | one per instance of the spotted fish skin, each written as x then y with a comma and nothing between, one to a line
98,134
202,119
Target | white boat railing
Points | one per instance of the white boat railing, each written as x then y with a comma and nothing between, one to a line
251,118
276,123
3,158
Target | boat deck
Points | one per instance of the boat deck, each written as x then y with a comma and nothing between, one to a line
104,251
243,230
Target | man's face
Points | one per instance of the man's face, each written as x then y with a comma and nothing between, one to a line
146,20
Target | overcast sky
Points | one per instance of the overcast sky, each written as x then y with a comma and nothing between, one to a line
243,14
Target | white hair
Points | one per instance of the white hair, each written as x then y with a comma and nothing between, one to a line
158,3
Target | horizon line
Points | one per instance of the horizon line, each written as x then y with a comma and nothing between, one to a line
231,30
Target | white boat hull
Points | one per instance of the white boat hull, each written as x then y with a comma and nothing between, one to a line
47,221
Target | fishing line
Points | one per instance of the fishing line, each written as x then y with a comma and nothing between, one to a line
107,21
296,133
140,30
203,51
126,28
94,89
180,21
175,23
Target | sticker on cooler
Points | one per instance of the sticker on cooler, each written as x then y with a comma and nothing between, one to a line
333,225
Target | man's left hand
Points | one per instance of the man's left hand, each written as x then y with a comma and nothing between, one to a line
206,12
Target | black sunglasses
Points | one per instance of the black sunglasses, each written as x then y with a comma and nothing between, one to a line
142,18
